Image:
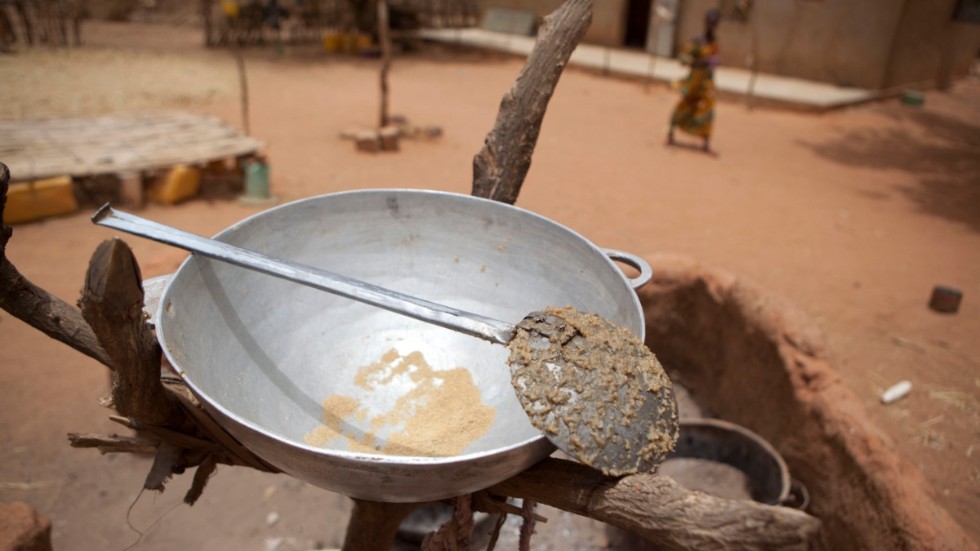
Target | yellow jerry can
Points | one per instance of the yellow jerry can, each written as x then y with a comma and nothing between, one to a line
178,184
29,201
332,42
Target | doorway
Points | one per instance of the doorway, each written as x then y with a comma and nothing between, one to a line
637,23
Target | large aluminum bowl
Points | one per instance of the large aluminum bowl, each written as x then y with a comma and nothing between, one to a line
262,353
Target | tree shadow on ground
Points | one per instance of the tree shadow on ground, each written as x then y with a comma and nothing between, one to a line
942,152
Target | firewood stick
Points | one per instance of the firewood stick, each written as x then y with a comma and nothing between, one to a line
113,443
232,451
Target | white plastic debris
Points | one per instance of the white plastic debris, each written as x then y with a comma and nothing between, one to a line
271,518
896,392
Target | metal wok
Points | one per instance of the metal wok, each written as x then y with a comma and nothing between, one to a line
262,354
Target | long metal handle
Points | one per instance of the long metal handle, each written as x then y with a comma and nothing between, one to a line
476,325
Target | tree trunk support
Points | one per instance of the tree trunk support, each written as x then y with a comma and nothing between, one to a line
374,524
501,165
660,510
35,306
112,304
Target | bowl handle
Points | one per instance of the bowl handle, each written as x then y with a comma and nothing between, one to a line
646,273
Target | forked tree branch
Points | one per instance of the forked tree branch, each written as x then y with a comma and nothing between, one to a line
35,306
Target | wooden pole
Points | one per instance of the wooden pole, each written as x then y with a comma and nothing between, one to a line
753,65
207,6
78,11
385,39
242,86
28,25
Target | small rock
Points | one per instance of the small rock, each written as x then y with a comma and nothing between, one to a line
23,529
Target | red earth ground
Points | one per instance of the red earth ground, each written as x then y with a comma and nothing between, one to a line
853,216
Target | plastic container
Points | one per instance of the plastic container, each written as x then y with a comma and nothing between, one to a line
29,201
332,42
257,179
180,183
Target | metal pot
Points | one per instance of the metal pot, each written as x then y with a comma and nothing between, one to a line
734,445
262,353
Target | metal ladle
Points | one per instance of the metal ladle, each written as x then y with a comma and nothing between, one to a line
606,402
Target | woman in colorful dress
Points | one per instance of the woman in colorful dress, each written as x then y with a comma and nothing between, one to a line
696,110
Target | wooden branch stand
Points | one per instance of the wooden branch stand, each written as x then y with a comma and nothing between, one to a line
168,421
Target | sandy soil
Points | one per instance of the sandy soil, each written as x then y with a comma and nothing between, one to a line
853,216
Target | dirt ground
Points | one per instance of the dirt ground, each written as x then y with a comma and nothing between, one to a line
853,216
